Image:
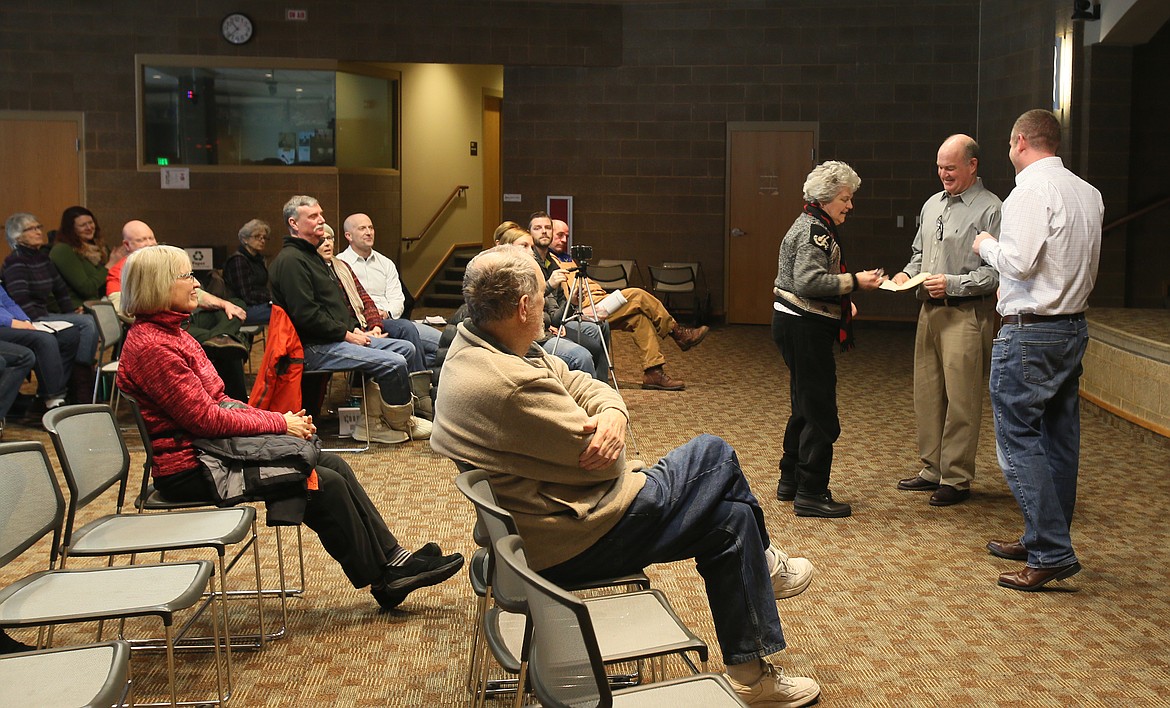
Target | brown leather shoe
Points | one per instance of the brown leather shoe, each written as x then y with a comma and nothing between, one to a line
916,484
656,379
1011,550
947,495
687,337
1029,579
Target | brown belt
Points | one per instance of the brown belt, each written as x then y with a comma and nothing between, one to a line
1029,318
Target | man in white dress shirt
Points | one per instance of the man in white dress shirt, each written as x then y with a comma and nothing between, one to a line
1047,255
379,277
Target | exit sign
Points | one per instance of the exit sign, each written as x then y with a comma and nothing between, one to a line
296,15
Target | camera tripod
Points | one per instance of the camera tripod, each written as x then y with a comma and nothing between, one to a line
574,312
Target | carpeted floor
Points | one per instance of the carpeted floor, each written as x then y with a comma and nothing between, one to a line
904,609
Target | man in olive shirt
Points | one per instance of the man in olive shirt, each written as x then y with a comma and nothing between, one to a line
952,348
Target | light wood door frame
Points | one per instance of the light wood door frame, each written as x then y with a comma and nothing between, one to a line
731,200
19,157
493,176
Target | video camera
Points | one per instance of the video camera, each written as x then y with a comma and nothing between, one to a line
581,253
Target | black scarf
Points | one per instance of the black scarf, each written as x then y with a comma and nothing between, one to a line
846,334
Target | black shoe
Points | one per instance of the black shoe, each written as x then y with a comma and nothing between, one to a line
821,505
785,490
429,549
946,495
398,581
8,645
916,484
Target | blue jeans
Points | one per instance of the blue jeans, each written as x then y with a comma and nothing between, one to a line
15,364
589,336
87,337
1035,375
384,360
575,356
55,355
258,314
405,331
697,504
429,336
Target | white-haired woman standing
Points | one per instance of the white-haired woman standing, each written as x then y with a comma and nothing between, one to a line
812,311
182,399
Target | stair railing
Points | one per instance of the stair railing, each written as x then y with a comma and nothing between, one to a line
459,191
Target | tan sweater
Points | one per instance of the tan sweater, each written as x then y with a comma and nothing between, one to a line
521,420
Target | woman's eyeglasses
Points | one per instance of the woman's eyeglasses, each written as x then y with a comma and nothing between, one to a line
186,276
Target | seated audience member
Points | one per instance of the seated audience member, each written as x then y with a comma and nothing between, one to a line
362,306
246,274
215,324
329,331
380,278
15,364
553,444
55,352
643,314
80,254
33,282
182,400
577,356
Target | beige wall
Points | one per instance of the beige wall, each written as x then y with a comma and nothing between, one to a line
442,113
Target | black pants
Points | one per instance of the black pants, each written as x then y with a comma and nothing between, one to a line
339,512
807,346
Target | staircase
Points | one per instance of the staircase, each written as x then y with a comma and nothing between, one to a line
446,290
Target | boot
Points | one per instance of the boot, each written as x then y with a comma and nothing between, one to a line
401,417
656,379
687,337
379,431
420,386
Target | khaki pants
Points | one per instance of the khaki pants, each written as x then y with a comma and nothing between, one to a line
952,355
646,317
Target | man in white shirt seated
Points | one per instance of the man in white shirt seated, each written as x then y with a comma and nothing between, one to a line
379,277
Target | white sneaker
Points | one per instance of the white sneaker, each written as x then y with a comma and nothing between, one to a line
775,690
790,576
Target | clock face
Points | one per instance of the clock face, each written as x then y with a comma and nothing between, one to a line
237,28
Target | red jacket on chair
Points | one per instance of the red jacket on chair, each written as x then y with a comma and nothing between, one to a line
278,386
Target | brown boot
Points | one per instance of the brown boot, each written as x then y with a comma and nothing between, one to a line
687,337
656,379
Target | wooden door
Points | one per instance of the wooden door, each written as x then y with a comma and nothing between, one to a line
766,171
42,166
493,207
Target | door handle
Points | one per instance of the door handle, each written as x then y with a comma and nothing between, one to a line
738,232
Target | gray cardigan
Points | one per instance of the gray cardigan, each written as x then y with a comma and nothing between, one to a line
808,277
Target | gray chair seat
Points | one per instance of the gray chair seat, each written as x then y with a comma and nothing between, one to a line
96,676
204,528
707,690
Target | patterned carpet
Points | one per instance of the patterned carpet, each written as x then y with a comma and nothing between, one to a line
904,610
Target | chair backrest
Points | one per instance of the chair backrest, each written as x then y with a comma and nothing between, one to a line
506,587
628,264
31,505
109,327
564,661
148,463
92,452
610,277
678,278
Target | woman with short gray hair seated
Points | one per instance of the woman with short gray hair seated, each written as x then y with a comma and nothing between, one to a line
246,274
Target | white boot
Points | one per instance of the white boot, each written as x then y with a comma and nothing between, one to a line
402,418
379,431
420,386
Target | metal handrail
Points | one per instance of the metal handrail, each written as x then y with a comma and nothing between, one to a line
1140,212
457,192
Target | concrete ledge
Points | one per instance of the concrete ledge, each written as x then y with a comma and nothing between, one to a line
1127,365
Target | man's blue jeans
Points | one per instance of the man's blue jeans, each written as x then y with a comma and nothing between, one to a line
15,364
697,504
1035,379
575,356
384,360
589,336
87,337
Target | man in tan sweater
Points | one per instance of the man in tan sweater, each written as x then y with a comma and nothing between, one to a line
553,443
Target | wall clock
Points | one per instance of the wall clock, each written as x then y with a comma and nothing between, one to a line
237,28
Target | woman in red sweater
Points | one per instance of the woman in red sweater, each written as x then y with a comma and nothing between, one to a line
182,398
